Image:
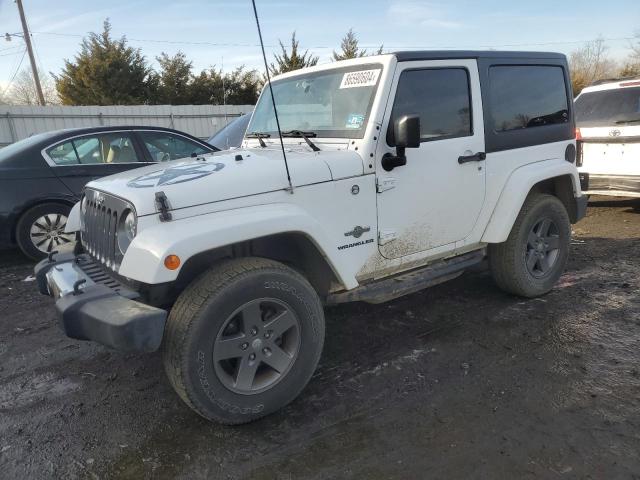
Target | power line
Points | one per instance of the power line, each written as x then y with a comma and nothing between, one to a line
14,47
12,53
14,74
405,47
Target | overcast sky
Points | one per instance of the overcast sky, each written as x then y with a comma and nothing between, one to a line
215,30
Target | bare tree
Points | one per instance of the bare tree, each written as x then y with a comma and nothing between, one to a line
631,67
23,90
590,63
635,47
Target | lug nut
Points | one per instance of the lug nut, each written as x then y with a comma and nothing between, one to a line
244,346
254,331
267,335
252,356
266,351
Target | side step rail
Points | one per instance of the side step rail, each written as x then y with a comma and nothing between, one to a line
380,291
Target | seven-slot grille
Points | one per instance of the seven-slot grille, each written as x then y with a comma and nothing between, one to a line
100,226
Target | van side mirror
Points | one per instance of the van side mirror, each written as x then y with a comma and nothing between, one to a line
406,133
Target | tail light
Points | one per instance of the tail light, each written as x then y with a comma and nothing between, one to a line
578,148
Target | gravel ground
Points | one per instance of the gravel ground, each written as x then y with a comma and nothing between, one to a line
460,381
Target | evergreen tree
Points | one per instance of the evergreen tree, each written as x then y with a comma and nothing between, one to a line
293,60
349,47
105,72
239,87
172,85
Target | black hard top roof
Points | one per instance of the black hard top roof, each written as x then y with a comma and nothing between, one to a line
406,56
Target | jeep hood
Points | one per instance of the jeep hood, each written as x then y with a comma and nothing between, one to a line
226,175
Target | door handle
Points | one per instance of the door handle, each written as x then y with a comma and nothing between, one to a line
477,157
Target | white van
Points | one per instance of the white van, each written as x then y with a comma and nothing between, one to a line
608,120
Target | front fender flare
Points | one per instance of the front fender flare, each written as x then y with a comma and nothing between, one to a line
515,192
144,259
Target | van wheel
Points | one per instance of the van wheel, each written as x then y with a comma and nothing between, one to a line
243,340
40,230
535,254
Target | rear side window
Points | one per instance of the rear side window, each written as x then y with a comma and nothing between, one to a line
63,154
527,96
440,96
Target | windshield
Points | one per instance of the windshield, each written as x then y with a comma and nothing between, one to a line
332,103
606,107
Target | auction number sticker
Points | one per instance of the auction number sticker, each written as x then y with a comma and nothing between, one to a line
361,78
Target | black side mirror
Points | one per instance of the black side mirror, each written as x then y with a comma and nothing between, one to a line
406,134
406,131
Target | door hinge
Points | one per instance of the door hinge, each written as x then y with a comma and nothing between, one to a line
383,184
386,236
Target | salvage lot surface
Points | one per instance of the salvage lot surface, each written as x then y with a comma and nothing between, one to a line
458,381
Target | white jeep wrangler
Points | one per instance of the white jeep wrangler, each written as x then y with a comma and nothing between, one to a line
405,170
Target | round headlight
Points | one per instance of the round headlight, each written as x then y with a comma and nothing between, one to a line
126,230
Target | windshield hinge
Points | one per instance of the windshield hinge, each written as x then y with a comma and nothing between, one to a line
386,236
162,205
383,184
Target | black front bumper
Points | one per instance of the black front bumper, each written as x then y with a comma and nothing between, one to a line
93,306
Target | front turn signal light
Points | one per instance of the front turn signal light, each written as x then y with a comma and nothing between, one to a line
172,262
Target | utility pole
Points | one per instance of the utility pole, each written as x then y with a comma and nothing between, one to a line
27,40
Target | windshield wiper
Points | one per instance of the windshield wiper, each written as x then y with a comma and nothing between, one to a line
305,136
633,120
259,136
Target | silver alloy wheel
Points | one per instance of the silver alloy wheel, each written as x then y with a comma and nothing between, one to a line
256,346
543,248
47,232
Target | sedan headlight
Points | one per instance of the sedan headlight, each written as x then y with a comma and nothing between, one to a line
126,230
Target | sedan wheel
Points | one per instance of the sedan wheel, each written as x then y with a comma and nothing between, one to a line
47,232
40,230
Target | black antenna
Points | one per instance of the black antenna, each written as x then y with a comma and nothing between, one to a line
273,99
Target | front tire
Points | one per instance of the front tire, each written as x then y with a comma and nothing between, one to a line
243,340
531,260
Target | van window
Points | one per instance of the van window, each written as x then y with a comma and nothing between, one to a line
440,96
527,96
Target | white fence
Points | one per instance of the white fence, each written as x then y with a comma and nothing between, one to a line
202,121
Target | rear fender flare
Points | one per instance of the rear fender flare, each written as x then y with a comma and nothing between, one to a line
515,191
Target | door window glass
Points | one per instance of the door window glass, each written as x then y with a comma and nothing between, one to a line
105,148
526,96
166,146
440,97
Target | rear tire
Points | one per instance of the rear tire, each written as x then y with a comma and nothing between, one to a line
531,260
243,340
40,230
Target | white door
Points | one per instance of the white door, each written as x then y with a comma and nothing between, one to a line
434,199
